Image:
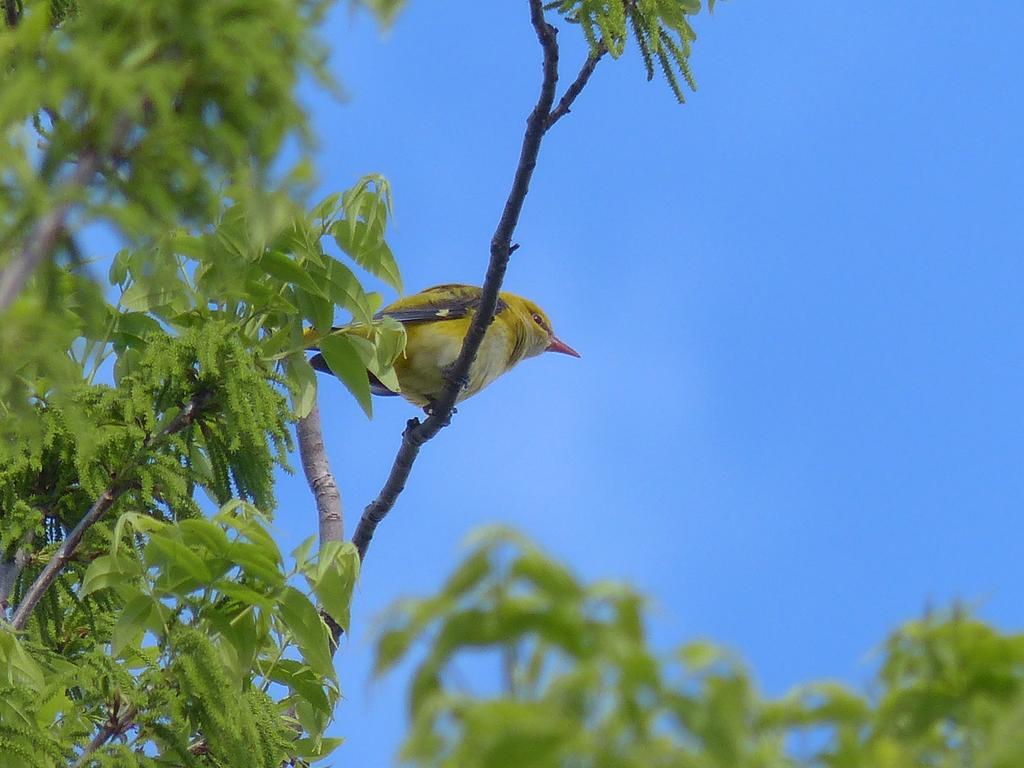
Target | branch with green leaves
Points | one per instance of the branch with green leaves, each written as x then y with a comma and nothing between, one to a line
417,433
117,724
120,483
660,26
159,122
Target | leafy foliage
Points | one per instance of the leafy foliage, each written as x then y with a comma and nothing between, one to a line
563,675
182,94
660,28
168,637
209,626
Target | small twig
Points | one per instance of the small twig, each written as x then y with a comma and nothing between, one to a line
115,726
378,509
565,103
416,433
118,485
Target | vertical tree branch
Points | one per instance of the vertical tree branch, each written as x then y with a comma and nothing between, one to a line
321,481
10,570
47,232
118,485
416,434
11,13
44,235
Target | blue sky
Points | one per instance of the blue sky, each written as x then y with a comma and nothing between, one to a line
798,416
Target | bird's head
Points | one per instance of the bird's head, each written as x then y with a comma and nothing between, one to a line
540,337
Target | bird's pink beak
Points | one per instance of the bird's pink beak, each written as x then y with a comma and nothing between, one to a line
557,345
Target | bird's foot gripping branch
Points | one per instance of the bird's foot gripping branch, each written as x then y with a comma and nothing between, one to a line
451,378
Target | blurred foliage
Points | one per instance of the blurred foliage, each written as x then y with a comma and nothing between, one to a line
179,95
518,663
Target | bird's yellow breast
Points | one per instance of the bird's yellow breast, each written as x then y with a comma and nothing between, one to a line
432,347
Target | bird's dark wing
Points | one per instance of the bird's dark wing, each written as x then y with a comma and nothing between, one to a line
376,387
442,302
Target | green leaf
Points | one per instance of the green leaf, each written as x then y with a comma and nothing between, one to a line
334,579
308,629
317,309
470,573
301,553
283,341
176,560
392,645
699,656
282,267
391,340
347,292
132,328
256,562
140,523
237,625
310,748
245,595
327,208
302,384
17,668
547,575
345,362
132,622
303,681
119,268
109,571
204,533
369,250
250,525
143,297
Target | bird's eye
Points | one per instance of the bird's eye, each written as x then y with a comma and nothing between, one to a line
538,319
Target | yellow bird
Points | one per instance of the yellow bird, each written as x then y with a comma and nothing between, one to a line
436,321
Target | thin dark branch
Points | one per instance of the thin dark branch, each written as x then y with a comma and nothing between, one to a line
118,485
565,103
378,509
115,726
416,433
11,14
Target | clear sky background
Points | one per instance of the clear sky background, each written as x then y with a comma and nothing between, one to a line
798,417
